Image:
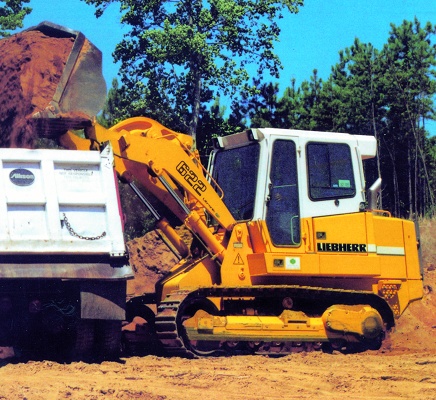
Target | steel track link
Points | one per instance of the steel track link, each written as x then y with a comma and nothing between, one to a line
166,325
172,336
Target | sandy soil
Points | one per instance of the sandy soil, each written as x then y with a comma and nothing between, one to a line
403,369
302,376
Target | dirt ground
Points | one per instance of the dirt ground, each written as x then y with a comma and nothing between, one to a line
403,369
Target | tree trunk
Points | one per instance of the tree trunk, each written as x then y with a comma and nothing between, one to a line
390,148
194,70
374,127
195,106
396,191
409,178
416,180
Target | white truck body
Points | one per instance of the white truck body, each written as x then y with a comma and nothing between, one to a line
61,230
59,202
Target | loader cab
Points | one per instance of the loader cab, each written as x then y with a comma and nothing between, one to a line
284,176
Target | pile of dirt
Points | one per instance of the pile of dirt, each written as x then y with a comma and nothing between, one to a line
416,328
151,260
31,65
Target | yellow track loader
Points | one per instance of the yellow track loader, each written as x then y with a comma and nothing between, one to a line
288,254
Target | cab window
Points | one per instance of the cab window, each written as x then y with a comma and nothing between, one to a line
283,214
235,171
330,171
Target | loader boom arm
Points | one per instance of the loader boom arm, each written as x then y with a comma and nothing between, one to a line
163,162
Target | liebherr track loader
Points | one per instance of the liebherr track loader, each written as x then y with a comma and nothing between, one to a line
288,253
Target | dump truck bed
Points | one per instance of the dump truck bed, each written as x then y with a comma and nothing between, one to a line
59,202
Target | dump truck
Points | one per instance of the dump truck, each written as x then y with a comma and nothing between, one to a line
62,254
63,259
289,250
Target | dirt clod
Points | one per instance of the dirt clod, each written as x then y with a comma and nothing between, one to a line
31,65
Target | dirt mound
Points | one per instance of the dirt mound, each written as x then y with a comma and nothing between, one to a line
31,65
416,328
151,259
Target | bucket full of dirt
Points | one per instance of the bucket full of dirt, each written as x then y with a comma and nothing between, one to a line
50,81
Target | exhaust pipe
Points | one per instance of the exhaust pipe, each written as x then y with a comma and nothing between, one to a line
373,193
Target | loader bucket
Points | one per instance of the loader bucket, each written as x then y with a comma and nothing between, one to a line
81,91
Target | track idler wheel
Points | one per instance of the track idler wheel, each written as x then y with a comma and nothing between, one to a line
360,320
198,347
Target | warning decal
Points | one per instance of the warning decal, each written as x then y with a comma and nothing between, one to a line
238,260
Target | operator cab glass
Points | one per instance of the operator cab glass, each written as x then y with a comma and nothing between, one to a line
281,178
330,171
235,171
283,214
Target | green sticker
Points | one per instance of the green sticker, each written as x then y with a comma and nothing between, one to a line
344,183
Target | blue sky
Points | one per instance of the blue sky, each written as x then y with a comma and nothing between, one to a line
310,39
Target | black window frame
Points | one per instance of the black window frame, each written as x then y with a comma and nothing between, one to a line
284,200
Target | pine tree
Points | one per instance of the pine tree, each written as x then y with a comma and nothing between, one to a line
12,14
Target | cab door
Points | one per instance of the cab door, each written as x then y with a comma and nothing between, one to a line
283,208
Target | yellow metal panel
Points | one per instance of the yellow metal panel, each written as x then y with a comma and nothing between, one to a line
410,247
349,265
203,326
341,229
342,245
393,267
283,264
415,289
370,234
234,269
257,264
204,273
388,232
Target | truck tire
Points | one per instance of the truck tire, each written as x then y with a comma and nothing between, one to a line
108,339
83,348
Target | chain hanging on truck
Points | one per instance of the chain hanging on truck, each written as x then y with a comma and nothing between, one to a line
74,233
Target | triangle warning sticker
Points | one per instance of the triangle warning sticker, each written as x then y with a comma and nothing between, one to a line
238,260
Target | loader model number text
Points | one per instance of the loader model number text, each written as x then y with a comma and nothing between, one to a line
191,178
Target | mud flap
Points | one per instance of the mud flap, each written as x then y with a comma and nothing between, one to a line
103,300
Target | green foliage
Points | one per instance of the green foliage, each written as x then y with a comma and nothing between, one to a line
427,196
12,13
408,87
116,108
179,55
387,93
212,123
262,106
